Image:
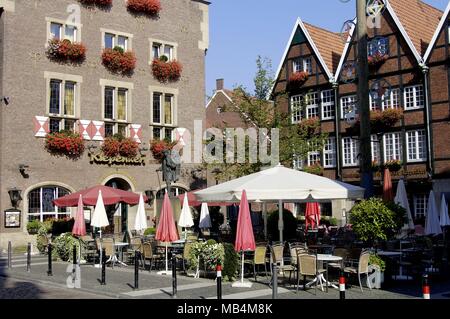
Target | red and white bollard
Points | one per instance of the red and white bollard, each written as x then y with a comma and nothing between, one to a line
219,281
342,286
426,287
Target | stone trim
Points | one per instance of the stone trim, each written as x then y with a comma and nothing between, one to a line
8,5
164,90
103,31
203,44
49,20
48,76
118,84
162,42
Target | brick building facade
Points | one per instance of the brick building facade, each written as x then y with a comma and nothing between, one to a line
42,95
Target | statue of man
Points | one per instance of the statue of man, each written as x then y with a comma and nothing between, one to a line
170,169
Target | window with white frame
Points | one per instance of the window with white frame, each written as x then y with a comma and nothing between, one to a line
40,203
420,205
297,65
350,150
161,48
62,105
414,97
327,99
307,65
297,163
61,31
296,108
313,158
375,145
417,150
116,108
392,147
162,115
112,40
348,104
312,104
389,101
329,153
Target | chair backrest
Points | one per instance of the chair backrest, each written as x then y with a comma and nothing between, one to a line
44,239
363,265
277,252
135,243
187,250
148,250
108,245
307,264
260,255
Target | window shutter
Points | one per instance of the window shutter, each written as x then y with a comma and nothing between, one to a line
136,132
84,126
98,130
41,126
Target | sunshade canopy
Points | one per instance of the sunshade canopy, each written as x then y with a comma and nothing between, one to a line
281,183
110,196
193,202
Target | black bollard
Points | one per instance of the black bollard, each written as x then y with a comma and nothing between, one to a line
219,281
136,270
29,257
342,285
426,287
9,255
274,281
49,251
103,267
174,276
74,259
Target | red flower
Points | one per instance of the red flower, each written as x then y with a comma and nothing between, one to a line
298,78
119,62
111,147
150,7
114,146
157,147
166,71
101,3
65,143
377,59
64,50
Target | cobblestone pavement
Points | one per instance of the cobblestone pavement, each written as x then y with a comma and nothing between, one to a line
18,283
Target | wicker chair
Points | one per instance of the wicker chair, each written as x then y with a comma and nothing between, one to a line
150,255
90,247
362,268
308,266
110,251
135,245
260,259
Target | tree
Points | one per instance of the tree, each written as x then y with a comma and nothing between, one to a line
256,111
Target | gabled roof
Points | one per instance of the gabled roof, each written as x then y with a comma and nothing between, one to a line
436,33
326,46
227,93
420,21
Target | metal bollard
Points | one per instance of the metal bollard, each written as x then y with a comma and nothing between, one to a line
426,287
342,285
174,276
49,251
136,270
29,257
74,261
274,281
219,281
103,267
9,255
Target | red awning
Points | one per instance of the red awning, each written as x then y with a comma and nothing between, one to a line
110,196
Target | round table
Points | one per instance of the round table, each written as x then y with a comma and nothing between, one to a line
113,259
326,258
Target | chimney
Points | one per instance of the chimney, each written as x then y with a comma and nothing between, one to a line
219,84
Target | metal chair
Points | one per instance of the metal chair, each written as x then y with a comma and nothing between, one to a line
308,266
362,268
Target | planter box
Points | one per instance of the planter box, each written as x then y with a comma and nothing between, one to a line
376,278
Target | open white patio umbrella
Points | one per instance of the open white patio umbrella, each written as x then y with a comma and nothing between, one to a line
281,184
432,225
100,219
205,219
401,198
140,223
185,216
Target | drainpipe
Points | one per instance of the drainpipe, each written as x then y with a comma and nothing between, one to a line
428,120
337,129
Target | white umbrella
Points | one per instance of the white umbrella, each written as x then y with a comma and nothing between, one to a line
432,226
186,216
444,219
99,218
401,198
205,219
140,223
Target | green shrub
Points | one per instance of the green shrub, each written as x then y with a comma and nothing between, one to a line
374,259
150,231
210,253
333,221
61,226
290,225
400,217
211,242
41,241
33,226
231,263
372,220
63,246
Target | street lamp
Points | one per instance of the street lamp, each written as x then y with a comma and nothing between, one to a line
150,196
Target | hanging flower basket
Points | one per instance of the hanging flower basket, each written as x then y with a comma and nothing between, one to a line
166,71
298,78
382,120
310,126
120,146
64,51
118,61
377,59
149,7
100,3
393,166
157,147
65,143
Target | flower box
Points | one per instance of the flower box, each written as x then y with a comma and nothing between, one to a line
315,169
377,59
298,78
157,147
149,7
65,143
100,3
166,71
310,126
118,61
119,146
382,120
393,166
64,50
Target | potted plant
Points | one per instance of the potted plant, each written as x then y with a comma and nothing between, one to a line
120,146
157,147
118,61
65,143
150,232
66,51
149,7
382,120
166,71
33,226
379,266
298,78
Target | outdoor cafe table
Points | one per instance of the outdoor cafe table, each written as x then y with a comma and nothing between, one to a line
326,259
113,259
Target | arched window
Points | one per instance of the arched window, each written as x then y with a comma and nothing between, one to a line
175,191
40,204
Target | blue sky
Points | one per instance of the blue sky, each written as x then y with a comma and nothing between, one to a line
240,30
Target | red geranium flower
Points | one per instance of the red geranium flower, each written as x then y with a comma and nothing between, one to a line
166,71
119,62
150,7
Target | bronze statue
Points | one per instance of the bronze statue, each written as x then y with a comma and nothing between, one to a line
170,168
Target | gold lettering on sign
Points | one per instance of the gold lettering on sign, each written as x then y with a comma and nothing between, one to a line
100,158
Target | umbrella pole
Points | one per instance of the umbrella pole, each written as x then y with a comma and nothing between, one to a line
167,270
242,267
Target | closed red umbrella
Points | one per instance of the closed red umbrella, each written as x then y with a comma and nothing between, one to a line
110,196
167,231
388,195
245,240
79,227
312,215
